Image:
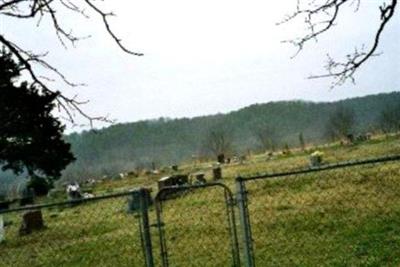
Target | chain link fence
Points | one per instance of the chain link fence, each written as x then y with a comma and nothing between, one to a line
91,232
344,214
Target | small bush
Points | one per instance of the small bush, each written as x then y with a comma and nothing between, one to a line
39,185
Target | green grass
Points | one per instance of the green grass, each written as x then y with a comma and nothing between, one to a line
328,219
343,217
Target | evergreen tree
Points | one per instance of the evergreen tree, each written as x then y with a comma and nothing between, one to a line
31,139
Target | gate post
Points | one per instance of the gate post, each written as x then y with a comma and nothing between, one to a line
247,240
144,198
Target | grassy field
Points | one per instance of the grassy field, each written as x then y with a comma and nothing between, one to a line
343,217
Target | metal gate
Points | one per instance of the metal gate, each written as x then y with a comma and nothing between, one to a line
198,227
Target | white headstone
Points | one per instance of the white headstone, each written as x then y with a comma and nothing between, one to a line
1,229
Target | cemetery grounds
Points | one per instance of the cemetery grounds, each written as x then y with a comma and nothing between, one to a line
340,217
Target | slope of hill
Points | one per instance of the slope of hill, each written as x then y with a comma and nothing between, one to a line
122,147
338,217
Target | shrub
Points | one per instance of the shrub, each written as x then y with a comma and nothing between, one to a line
40,186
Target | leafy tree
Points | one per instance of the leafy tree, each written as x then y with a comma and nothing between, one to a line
31,138
341,122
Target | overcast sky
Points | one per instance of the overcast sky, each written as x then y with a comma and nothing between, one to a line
205,57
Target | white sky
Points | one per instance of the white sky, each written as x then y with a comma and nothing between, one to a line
209,56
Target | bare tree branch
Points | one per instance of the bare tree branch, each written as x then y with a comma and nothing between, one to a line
29,61
107,25
319,18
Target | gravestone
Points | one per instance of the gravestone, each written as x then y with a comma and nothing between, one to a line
350,138
200,178
31,221
217,173
221,158
5,205
174,167
73,191
173,180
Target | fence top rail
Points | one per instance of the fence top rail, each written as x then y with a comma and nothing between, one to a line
331,166
75,201
168,189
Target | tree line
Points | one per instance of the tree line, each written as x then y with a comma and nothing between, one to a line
260,127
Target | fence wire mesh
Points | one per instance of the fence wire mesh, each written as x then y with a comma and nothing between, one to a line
93,233
346,216
197,226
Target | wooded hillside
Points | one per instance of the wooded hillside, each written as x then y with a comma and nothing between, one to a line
123,147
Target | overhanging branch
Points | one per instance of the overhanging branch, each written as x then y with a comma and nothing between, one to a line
339,71
37,9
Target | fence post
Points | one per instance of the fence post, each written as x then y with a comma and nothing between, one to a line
241,197
145,226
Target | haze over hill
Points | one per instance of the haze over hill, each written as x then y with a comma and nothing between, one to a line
124,147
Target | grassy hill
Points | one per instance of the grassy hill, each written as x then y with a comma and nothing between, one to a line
341,217
123,147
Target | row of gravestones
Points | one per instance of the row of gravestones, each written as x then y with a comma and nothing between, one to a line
183,179
33,220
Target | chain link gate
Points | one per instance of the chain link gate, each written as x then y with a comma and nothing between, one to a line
197,226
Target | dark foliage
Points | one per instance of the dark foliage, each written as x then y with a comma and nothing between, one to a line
31,138
40,186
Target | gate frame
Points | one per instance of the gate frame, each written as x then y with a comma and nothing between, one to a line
230,203
245,225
